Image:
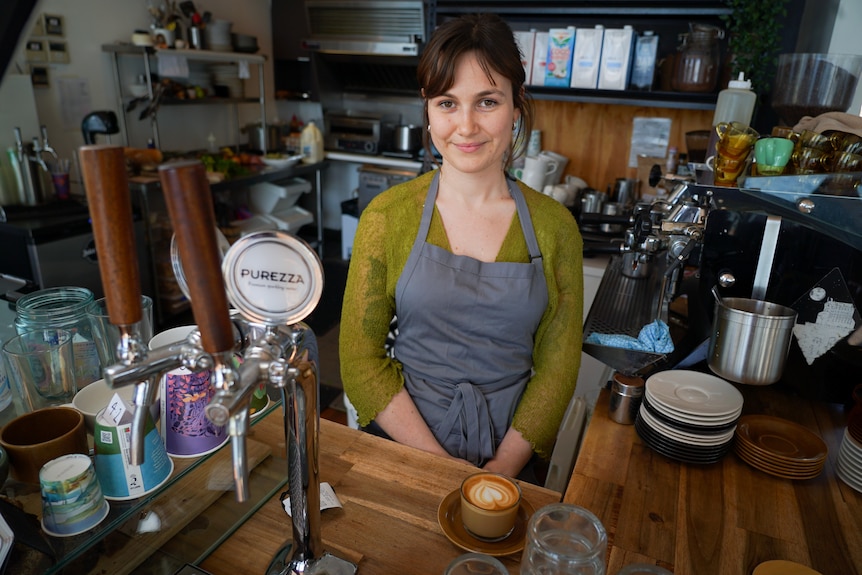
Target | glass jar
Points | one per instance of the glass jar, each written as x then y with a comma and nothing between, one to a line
66,308
564,538
696,68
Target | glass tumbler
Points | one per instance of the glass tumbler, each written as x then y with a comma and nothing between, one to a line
106,335
564,539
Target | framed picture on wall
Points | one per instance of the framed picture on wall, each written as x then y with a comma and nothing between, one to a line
39,77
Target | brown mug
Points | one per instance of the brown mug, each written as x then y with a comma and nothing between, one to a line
812,139
784,132
846,162
33,439
810,160
851,143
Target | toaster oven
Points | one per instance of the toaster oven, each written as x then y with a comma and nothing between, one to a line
354,133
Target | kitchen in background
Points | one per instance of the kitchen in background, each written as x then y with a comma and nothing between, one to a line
85,83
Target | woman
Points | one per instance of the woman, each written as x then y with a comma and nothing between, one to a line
483,274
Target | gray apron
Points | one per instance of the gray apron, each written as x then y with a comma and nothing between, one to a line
465,336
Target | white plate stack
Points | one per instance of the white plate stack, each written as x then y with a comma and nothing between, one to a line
849,468
227,75
689,416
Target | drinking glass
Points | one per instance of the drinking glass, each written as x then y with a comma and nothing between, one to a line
564,539
41,365
735,143
476,564
106,335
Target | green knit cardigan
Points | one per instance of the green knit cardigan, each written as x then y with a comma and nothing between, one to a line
384,238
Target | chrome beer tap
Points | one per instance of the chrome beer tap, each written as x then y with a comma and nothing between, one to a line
103,169
45,147
277,348
30,180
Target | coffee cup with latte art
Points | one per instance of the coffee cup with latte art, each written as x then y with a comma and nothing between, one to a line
489,505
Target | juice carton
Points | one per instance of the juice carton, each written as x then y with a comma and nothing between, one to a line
561,45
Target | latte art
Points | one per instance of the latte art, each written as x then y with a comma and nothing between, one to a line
491,492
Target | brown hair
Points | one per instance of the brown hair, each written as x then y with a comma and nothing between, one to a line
492,41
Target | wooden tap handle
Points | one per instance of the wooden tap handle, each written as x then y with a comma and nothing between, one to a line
190,205
103,169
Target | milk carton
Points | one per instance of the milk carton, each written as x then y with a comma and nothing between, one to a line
587,57
561,45
643,68
540,59
525,42
617,49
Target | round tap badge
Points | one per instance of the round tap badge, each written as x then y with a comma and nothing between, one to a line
273,277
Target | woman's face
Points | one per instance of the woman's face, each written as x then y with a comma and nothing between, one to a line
471,124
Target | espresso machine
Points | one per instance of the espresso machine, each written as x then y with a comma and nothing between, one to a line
273,281
790,240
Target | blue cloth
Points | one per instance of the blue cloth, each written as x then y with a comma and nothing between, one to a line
653,337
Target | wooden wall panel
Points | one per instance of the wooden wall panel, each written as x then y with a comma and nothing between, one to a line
596,137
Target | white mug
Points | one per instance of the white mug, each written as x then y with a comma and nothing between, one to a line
562,161
536,169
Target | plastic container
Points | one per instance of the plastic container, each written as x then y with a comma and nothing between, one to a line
311,142
65,308
735,103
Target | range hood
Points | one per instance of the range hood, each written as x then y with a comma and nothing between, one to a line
365,27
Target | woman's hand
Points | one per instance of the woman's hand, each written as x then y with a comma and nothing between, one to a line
403,423
512,455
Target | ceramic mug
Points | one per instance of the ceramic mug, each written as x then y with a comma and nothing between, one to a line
537,169
771,155
33,439
556,176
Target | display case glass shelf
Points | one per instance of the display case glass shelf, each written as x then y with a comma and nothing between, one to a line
182,520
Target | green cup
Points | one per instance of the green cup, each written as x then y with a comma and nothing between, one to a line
771,155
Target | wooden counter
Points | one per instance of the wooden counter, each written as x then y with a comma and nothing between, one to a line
724,518
390,494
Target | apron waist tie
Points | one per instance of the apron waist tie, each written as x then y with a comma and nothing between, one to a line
470,410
